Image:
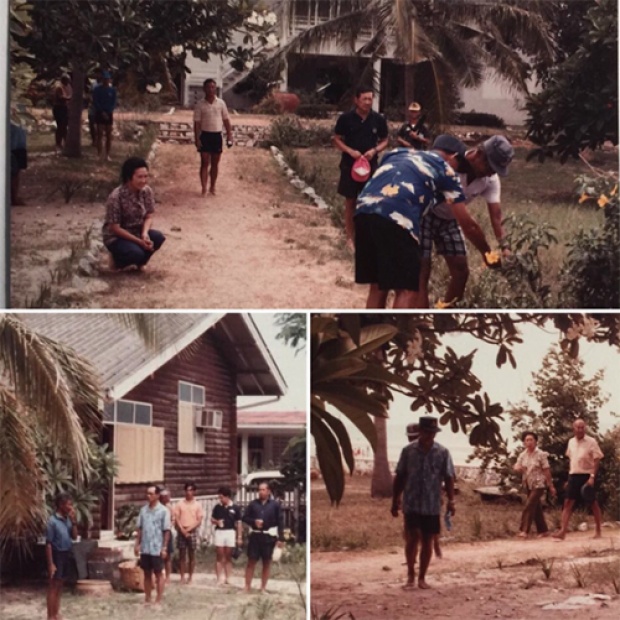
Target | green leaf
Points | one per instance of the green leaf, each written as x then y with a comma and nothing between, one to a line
328,457
372,338
352,325
348,396
343,437
334,369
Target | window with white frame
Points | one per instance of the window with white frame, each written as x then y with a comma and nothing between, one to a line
191,435
128,412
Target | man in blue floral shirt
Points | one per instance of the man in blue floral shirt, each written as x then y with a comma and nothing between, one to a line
152,542
421,469
387,220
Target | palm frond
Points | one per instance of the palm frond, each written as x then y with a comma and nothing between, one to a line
22,517
57,387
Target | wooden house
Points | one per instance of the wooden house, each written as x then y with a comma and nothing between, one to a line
169,412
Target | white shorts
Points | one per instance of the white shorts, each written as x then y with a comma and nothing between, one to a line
225,538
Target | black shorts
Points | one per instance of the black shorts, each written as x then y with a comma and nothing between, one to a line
19,161
211,142
445,234
427,524
575,482
261,546
62,561
104,118
61,114
385,254
153,563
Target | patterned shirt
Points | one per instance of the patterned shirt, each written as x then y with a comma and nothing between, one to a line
128,209
211,116
423,474
153,523
534,463
583,454
59,533
406,184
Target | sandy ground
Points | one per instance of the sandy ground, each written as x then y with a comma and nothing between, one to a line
468,582
254,245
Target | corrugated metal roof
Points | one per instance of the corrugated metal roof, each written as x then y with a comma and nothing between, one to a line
124,360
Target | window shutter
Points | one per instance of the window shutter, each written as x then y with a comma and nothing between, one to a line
186,428
140,452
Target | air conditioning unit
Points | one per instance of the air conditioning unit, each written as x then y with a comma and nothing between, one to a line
207,418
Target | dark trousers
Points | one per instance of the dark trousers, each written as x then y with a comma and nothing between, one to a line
533,512
127,252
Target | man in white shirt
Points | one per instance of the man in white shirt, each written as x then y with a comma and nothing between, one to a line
210,117
584,455
446,226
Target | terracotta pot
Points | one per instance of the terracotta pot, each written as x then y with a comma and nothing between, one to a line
93,587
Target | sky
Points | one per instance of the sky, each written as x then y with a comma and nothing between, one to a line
291,365
506,385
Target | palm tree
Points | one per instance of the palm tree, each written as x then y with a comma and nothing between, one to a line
459,39
47,390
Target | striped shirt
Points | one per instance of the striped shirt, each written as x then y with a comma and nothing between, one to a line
211,116
423,474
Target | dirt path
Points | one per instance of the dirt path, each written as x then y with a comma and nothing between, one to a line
500,579
254,245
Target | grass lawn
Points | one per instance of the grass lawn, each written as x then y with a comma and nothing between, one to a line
544,193
362,523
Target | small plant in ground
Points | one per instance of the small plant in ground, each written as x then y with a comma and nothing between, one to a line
259,609
579,576
333,613
546,566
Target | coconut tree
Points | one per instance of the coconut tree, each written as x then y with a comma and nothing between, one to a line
46,391
459,39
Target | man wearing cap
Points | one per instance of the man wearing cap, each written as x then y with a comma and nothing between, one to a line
387,221
414,134
584,456
359,132
422,467
104,104
446,226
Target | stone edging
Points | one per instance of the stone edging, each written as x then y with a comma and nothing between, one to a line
296,181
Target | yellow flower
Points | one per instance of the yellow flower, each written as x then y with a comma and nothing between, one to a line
583,197
602,201
442,305
390,190
492,257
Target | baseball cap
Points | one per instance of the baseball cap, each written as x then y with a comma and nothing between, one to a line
360,170
414,106
449,144
499,154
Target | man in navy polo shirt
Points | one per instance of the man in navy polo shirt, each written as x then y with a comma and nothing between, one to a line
422,467
61,532
360,131
264,518
104,104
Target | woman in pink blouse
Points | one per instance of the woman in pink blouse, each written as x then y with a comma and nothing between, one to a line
534,467
127,231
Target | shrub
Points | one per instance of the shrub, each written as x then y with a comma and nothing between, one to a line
591,271
287,131
479,119
316,110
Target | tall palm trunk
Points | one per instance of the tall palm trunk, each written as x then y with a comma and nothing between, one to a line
73,147
381,485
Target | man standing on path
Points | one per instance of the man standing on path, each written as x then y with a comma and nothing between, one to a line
422,467
359,132
264,518
584,457
61,532
210,116
414,134
104,104
447,225
388,215
152,543
188,515
226,517
164,498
